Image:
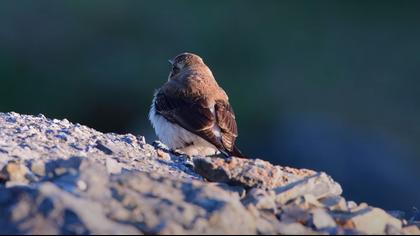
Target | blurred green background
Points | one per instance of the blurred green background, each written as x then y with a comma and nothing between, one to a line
325,85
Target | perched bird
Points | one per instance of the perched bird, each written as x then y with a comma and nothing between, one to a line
191,113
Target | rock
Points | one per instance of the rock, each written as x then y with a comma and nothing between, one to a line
294,229
368,220
351,205
248,172
53,210
335,203
360,207
319,185
411,230
191,207
62,178
96,179
415,218
261,199
113,166
236,190
16,173
163,154
294,213
374,221
321,219
30,139
38,168
81,185
397,214
307,202
103,148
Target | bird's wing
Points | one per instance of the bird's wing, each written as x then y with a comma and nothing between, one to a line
193,115
225,118
197,117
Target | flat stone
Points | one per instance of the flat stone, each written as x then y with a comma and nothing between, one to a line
319,185
248,172
374,221
321,219
294,213
335,203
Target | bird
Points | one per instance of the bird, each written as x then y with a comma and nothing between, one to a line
191,114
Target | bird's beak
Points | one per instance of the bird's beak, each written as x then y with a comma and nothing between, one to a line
171,61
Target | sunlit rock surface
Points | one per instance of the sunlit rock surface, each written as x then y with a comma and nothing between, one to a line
62,178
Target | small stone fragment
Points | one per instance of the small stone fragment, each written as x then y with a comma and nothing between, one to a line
249,173
112,166
335,203
294,213
307,201
351,204
321,219
164,155
38,168
103,148
15,172
411,230
359,207
141,139
82,185
261,199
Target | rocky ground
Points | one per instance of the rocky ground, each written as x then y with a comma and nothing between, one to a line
62,178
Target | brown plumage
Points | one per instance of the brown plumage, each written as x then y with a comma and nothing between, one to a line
192,99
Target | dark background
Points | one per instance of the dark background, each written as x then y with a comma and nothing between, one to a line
331,86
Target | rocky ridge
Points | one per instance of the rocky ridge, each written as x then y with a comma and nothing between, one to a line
62,178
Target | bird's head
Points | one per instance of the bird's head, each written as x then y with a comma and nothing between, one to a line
184,61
